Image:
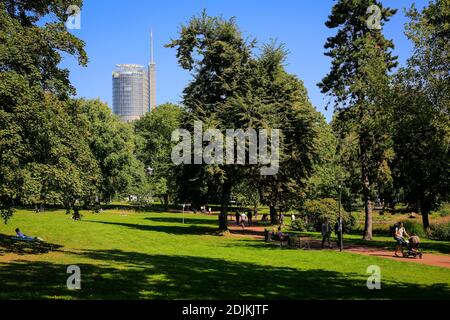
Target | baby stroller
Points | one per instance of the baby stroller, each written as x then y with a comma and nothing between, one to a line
412,246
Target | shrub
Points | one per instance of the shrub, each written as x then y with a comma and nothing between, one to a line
315,212
440,231
300,224
414,227
445,211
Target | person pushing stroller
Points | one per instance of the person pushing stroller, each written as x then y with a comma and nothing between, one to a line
399,236
411,243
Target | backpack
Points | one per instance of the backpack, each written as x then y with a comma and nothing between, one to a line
392,230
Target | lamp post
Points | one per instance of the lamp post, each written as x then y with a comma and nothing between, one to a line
183,211
341,226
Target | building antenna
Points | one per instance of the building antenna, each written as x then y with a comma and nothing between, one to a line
151,45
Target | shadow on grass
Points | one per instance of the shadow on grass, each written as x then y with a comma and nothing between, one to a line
10,245
177,230
247,232
211,222
138,276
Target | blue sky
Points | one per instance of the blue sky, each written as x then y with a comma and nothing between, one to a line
117,31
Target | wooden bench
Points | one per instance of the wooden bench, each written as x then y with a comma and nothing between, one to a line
298,242
292,241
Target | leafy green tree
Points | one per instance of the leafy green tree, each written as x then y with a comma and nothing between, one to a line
421,110
234,89
34,51
317,211
113,145
278,99
358,84
59,168
327,171
43,159
247,194
155,130
214,50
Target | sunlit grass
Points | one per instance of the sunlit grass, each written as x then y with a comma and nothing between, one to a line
130,255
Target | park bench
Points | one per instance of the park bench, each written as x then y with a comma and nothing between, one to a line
298,242
292,241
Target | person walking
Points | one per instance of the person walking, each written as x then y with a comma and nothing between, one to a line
250,217
243,219
337,231
326,232
281,219
400,233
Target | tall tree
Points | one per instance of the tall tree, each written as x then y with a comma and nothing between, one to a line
328,172
421,110
234,89
113,145
214,50
279,100
156,128
42,157
358,82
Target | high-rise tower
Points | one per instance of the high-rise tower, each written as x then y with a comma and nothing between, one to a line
152,77
130,93
134,89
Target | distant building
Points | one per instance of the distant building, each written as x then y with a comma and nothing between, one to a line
134,89
130,93
152,78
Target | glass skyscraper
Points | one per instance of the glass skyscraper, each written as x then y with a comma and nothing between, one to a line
134,89
130,91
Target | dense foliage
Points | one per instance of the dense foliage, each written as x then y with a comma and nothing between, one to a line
388,141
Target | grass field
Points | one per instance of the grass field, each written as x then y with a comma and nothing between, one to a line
154,256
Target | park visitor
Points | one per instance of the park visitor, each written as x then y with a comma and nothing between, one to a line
400,232
337,231
282,237
326,232
22,236
243,219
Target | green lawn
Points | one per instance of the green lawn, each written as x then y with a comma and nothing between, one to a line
153,255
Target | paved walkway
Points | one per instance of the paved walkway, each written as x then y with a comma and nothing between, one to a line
257,232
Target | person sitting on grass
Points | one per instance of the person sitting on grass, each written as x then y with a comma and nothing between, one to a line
400,232
22,236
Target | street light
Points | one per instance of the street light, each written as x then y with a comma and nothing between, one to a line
341,227
184,205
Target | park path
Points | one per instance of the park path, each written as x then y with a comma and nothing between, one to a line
257,232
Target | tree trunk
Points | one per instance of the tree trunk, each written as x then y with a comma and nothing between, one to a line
366,189
424,210
368,219
273,215
425,220
166,200
223,215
